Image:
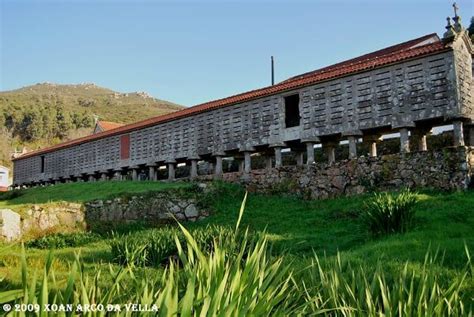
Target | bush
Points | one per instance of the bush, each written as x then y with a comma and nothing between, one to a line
63,240
149,249
387,213
158,246
340,289
11,194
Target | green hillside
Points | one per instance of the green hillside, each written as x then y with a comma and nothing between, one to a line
334,260
46,114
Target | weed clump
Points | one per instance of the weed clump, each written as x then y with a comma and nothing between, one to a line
387,213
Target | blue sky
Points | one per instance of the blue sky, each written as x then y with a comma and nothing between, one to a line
190,52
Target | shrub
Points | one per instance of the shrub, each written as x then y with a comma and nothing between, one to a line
63,240
158,246
107,229
149,249
387,213
334,288
11,194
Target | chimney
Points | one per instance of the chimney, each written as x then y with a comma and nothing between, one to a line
273,71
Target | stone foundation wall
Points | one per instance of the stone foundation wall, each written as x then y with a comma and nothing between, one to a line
10,225
151,207
61,216
446,169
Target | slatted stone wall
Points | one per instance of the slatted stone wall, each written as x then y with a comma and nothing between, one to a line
464,66
393,96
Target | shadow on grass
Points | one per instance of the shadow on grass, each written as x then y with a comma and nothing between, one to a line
81,192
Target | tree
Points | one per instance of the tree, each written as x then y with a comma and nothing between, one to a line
471,28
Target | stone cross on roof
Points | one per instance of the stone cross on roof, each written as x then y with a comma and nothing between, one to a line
456,8
457,19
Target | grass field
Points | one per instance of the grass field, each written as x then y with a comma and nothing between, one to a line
79,192
297,229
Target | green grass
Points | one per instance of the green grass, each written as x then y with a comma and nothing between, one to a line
82,192
297,229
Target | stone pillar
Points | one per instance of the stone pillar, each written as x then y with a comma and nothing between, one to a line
210,167
241,165
134,173
247,162
404,141
419,136
152,172
91,178
330,149
310,153
331,153
118,175
299,158
268,162
278,160
352,146
103,176
193,173
218,171
458,133
371,141
171,170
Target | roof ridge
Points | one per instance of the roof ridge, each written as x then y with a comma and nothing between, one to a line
390,49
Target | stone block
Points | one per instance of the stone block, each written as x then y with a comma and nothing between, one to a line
191,211
10,225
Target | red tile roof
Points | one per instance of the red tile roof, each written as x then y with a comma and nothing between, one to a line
390,55
108,125
427,39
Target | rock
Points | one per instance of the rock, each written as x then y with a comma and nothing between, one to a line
202,186
10,225
74,206
191,211
339,182
180,216
174,208
47,221
304,181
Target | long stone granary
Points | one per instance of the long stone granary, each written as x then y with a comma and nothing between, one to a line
407,87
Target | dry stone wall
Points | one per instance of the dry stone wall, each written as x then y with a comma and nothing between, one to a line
446,169
151,207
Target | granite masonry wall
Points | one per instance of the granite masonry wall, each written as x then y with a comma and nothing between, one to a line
446,169
149,207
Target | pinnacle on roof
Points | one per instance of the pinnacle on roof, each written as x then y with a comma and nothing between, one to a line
453,30
450,33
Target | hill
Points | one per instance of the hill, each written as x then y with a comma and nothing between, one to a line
46,114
